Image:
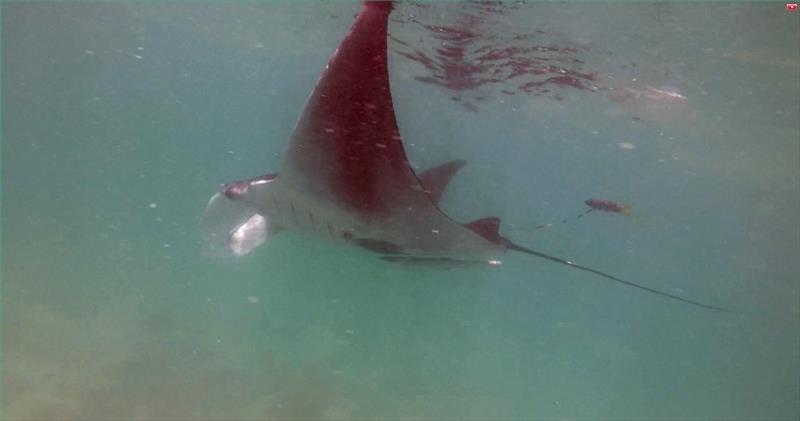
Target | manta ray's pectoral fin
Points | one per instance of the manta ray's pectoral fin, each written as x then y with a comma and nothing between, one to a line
489,228
436,179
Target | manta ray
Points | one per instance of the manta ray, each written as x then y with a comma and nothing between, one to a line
346,177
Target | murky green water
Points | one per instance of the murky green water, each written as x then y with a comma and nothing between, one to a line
120,119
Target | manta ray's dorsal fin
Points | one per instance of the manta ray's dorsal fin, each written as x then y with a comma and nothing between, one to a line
436,179
488,228
346,147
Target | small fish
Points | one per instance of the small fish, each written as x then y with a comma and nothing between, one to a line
608,206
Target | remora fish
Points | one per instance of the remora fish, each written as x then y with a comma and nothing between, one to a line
346,177
606,205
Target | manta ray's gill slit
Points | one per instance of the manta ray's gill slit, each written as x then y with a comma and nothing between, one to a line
274,203
311,219
330,229
294,215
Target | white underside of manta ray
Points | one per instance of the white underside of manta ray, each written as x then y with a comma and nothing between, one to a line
346,177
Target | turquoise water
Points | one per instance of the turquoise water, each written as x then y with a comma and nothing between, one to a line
121,119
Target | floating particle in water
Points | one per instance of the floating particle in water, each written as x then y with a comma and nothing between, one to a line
626,146
665,92
153,205
252,299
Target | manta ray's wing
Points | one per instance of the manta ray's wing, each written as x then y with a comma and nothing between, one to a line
346,147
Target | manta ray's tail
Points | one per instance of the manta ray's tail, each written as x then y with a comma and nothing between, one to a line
488,228
519,248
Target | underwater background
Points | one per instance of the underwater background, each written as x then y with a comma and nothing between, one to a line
121,119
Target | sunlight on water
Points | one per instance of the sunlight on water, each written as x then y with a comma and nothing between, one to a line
122,119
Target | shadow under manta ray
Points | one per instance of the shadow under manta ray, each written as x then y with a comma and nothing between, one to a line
346,177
